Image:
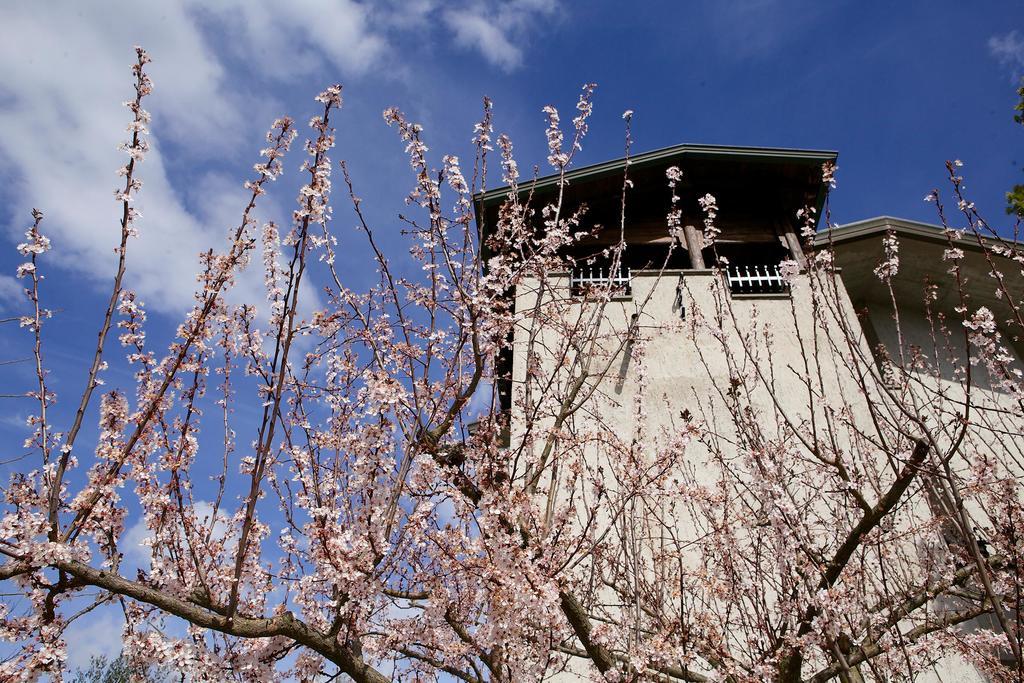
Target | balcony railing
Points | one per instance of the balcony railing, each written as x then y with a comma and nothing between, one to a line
763,279
596,278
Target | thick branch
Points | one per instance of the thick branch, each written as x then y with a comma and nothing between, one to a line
791,663
246,627
871,519
580,622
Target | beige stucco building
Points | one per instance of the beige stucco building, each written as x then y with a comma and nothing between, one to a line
626,349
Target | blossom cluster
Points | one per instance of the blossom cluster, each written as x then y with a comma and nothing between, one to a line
709,205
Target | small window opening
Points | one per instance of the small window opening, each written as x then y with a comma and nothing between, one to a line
595,278
753,267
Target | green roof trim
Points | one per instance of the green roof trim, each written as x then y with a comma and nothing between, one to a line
880,225
666,154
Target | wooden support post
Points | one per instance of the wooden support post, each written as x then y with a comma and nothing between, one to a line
694,244
795,248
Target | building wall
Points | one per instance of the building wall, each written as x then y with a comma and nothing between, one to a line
689,339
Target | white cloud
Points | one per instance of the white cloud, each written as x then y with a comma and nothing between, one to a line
338,32
1008,50
60,105
67,71
478,32
137,552
95,635
404,14
12,294
497,31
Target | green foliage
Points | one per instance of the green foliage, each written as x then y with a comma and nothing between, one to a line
1019,118
119,670
1015,197
1015,201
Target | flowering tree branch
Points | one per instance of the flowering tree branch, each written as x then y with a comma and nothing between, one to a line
355,496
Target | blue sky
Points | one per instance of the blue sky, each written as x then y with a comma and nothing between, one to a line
896,88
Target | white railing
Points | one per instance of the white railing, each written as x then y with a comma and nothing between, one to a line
755,280
591,278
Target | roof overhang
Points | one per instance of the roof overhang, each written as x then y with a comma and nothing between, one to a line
665,157
788,179
880,225
858,250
